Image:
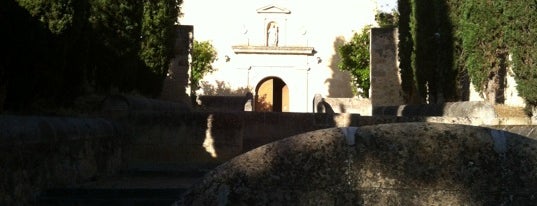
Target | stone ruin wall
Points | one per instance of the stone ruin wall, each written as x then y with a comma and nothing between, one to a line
385,79
139,133
38,153
176,84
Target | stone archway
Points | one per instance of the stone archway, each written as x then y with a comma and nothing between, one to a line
272,95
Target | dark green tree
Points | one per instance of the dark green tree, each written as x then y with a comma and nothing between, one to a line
61,49
405,47
158,37
484,46
426,52
521,36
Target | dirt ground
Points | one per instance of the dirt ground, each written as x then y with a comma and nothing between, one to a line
509,111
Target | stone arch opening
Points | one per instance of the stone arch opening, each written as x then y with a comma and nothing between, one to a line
272,95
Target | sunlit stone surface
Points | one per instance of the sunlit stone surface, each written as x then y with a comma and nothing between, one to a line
390,164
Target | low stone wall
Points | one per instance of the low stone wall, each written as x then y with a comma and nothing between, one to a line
387,164
38,153
199,139
44,152
342,105
226,103
181,140
175,141
124,104
449,109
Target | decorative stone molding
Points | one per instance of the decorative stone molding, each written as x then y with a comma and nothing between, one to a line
289,50
273,10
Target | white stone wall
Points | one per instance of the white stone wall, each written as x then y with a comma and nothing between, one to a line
301,23
512,97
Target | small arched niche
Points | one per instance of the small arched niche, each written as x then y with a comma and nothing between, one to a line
272,31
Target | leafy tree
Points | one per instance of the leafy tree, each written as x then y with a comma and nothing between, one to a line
520,34
387,19
355,59
158,37
203,55
57,15
484,46
479,41
84,46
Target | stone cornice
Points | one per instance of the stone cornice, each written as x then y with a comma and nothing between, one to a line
289,50
273,9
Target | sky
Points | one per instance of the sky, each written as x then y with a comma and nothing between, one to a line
386,5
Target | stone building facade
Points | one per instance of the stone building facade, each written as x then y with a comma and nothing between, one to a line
284,51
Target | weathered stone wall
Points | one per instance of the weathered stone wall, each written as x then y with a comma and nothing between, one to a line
226,103
42,152
124,104
353,105
385,79
37,153
388,164
477,109
176,140
176,85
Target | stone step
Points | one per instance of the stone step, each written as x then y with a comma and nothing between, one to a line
133,187
90,197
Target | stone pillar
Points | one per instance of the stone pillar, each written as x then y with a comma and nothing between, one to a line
316,101
176,85
385,77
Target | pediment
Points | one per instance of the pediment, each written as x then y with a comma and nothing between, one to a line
273,9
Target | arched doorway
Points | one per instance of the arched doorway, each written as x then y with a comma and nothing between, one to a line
272,95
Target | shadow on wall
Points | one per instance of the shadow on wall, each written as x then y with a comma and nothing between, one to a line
221,97
197,139
167,136
339,84
222,89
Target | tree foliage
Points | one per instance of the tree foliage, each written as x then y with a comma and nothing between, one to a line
61,49
355,59
521,36
484,46
426,45
405,47
203,55
479,40
387,19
